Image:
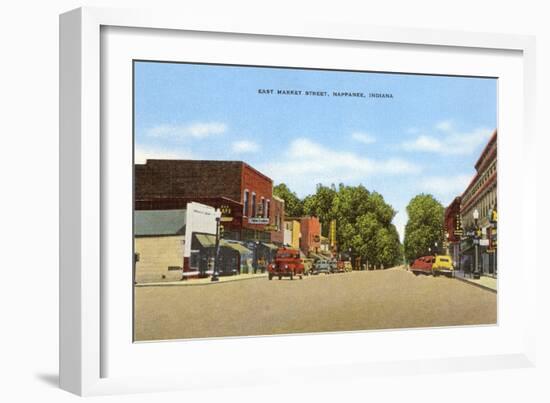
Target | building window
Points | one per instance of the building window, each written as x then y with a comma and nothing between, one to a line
254,204
262,208
268,205
245,203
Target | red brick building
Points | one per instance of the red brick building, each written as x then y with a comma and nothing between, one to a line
171,184
278,236
310,240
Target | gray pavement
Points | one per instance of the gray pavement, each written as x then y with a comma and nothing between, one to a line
364,300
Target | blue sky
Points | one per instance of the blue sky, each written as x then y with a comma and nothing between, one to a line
426,138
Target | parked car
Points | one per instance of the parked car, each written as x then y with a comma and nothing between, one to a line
347,266
287,263
308,266
334,268
321,266
422,265
443,264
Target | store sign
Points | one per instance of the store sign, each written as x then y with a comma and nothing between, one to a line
484,242
271,227
258,220
201,219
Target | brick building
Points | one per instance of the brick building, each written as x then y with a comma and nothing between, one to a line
278,236
481,195
453,229
171,184
310,238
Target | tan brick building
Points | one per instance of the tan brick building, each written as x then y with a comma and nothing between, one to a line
158,245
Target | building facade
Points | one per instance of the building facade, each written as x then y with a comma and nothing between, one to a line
159,245
292,232
480,197
310,237
235,185
278,232
453,230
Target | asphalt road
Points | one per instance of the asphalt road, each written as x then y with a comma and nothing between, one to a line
363,300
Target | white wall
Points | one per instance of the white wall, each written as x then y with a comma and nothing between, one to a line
28,166
198,218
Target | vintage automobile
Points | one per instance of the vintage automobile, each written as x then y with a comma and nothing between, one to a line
335,267
308,265
443,264
321,266
422,265
287,263
347,266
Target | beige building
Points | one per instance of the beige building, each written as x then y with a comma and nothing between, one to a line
481,196
292,233
158,245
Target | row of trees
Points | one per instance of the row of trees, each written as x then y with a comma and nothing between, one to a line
364,220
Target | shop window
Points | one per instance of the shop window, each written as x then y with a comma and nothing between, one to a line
254,206
245,203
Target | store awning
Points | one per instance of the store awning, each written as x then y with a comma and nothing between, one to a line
235,246
316,256
206,241
270,246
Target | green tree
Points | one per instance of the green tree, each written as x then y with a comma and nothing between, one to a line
424,226
363,220
320,205
293,204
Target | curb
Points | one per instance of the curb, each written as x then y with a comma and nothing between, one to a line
188,283
476,284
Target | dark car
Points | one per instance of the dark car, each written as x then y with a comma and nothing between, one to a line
321,266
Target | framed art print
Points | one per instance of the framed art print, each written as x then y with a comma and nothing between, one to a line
253,195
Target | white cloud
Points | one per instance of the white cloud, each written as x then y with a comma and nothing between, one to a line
244,146
424,143
197,130
142,154
451,142
446,187
364,138
444,125
307,163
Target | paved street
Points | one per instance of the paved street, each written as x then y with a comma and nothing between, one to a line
383,299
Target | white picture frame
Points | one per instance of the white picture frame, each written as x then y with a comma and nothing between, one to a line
83,173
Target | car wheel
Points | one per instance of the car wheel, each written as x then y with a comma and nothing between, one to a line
301,277
291,276
270,276
280,277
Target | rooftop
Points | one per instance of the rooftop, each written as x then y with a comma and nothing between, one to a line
159,222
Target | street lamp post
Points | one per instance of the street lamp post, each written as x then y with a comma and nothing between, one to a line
476,243
215,271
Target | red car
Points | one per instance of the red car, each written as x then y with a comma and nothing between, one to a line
287,264
423,265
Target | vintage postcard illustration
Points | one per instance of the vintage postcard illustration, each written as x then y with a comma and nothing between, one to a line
274,200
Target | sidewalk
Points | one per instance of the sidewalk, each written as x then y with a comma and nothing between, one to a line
204,281
488,283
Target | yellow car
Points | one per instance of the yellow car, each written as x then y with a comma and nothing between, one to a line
442,264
